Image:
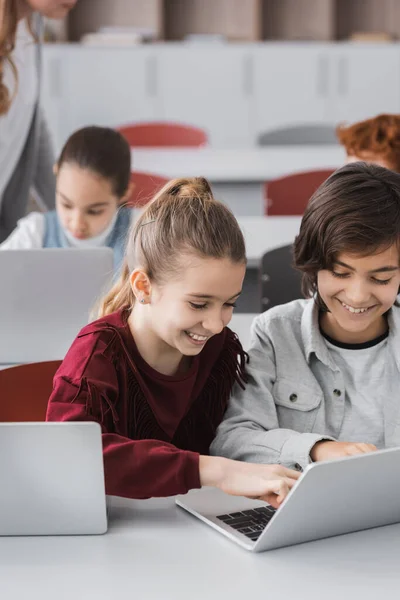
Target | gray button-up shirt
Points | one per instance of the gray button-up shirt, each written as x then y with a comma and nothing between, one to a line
295,394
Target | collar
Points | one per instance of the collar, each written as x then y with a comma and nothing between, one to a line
313,341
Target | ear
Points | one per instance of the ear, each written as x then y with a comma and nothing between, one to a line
128,194
141,285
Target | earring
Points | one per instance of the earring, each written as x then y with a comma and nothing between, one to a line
142,300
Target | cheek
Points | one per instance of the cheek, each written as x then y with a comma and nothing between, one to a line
327,286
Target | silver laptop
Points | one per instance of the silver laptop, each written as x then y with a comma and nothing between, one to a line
46,297
330,498
52,479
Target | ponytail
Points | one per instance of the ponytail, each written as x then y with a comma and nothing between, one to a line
120,296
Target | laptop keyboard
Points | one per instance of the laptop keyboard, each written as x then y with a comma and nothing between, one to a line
250,522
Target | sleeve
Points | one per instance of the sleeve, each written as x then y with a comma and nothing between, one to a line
28,234
133,468
250,430
44,182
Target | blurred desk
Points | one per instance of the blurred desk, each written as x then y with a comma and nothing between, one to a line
159,552
266,233
237,174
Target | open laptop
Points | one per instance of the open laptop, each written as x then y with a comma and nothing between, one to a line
330,498
52,479
46,297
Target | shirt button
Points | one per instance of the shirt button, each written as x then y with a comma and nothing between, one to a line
293,397
298,467
337,392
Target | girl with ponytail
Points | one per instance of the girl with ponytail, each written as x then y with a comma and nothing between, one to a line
157,367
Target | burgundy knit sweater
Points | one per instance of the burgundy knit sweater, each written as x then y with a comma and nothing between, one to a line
154,426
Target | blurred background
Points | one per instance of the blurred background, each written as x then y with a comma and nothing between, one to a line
237,69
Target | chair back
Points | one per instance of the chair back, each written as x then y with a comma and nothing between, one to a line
163,134
305,134
25,391
145,185
280,281
289,195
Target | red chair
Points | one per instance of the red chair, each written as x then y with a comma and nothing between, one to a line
145,185
289,195
163,134
25,391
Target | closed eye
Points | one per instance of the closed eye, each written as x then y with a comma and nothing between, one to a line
381,281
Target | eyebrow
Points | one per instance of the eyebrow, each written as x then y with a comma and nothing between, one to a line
208,297
386,269
95,205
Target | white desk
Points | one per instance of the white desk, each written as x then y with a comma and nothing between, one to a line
156,551
237,174
236,165
266,233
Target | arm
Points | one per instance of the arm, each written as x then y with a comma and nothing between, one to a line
250,430
44,185
145,468
133,468
28,234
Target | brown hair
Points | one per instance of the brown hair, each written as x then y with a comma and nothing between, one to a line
8,32
182,218
103,151
356,210
378,137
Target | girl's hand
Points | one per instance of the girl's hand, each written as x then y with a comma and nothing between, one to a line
327,450
270,483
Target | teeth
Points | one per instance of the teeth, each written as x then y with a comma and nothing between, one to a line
354,310
198,338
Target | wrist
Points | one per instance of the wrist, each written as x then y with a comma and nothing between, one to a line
211,470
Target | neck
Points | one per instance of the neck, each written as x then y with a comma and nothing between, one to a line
331,328
155,352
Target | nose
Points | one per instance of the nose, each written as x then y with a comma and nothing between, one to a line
358,293
77,222
214,323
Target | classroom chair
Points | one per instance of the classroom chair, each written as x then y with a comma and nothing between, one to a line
25,390
145,185
305,134
163,134
280,282
290,194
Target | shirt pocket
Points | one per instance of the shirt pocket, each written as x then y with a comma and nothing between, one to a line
296,404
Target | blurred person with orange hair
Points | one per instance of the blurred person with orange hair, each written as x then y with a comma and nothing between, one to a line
375,140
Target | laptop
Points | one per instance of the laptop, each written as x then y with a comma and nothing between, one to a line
52,479
330,498
46,297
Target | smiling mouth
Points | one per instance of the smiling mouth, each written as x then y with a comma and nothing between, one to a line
356,311
197,338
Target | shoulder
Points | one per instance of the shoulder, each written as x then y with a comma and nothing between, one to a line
284,315
93,352
28,234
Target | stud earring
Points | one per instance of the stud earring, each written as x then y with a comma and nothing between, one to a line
142,300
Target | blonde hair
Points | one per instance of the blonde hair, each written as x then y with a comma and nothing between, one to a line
182,218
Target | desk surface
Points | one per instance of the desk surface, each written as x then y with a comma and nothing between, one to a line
156,551
266,233
236,165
